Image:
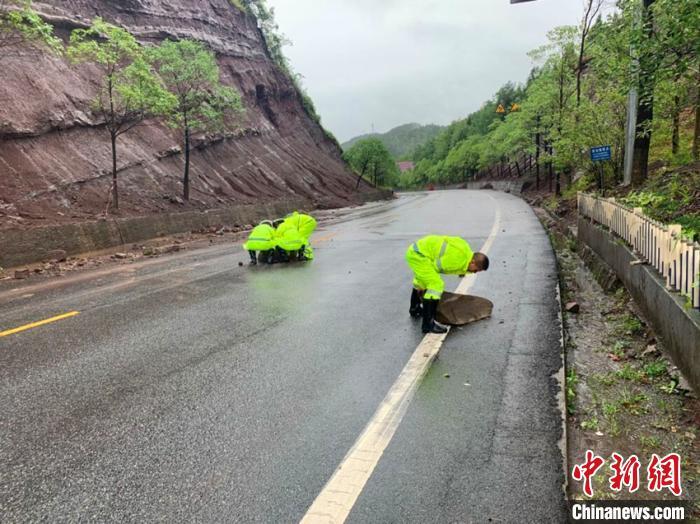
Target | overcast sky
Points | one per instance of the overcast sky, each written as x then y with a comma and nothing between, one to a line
391,62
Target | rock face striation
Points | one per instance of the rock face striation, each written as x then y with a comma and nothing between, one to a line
55,155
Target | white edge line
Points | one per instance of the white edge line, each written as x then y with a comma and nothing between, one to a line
339,495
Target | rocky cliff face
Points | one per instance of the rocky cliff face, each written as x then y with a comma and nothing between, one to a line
55,155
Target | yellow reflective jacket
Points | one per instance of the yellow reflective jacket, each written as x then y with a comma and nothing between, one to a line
261,238
288,237
450,255
305,224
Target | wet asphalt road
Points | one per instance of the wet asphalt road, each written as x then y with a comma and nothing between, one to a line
193,390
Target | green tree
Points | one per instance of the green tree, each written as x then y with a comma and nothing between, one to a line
128,92
21,25
674,48
593,7
370,158
203,104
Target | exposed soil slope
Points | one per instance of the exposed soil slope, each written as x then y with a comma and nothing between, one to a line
55,155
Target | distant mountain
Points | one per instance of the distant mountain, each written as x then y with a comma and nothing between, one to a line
402,140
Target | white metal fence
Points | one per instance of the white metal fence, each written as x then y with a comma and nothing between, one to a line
659,245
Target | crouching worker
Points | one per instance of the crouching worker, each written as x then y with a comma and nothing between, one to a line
305,225
262,239
428,258
288,240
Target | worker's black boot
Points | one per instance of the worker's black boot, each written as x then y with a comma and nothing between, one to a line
416,310
282,255
253,258
429,312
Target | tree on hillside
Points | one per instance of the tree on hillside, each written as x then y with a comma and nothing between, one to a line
370,158
647,80
129,91
593,7
203,104
675,48
21,25
550,93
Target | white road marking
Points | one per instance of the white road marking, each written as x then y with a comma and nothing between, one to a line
336,500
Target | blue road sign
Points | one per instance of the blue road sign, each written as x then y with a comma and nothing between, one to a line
600,154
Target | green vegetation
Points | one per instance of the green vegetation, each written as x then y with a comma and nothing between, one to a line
191,74
370,159
671,197
129,89
403,140
656,369
238,4
571,384
465,146
629,373
575,98
21,25
634,403
650,444
275,41
630,325
590,424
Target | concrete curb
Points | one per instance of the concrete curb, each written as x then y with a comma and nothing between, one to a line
561,374
678,327
561,397
20,247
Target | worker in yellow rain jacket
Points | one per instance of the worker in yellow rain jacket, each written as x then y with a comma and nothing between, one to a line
306,225
262,239
428,258
288,240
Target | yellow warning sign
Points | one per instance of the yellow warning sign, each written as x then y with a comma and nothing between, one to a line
500,109
514,108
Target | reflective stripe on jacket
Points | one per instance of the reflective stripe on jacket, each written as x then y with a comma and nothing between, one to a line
450,255
261,238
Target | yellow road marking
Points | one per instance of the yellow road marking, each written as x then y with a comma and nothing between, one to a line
37,324
325,238
336,500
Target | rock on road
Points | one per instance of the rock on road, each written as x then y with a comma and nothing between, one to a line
189,389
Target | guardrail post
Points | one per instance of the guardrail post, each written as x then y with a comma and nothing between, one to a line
696,277
674,231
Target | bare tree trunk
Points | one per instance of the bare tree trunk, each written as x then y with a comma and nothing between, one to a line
675,137
186,181
588,20
696,136
115,191
538,140
550,166
558,184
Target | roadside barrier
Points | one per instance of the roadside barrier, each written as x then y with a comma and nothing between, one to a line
661,246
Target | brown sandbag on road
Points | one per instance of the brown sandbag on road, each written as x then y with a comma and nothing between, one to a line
459,310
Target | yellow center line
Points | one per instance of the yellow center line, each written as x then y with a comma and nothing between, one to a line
37,324
325,238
